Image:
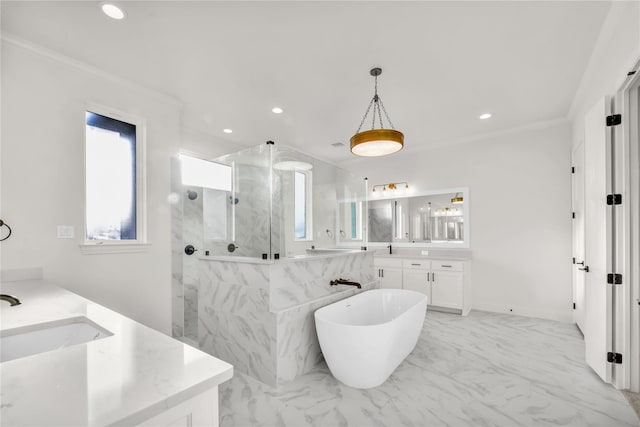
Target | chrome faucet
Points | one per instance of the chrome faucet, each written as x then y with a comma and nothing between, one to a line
345,282
11,300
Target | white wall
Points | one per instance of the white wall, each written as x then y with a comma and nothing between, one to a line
205,146
520,211
43,104
614,55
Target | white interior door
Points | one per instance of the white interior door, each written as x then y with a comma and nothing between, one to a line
597,315
577,203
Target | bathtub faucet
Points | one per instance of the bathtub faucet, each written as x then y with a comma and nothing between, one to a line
344,282
10,299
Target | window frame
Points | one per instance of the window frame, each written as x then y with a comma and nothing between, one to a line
141,243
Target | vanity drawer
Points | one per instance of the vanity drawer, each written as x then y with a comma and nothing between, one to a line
416,264
447,265
387,262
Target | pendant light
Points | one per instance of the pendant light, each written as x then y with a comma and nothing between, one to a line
376,142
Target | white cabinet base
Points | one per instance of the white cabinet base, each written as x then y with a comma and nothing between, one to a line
445,282
200,410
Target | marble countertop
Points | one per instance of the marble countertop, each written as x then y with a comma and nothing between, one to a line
433,255
123,379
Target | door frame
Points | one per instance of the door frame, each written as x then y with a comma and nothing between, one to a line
578,210
626,177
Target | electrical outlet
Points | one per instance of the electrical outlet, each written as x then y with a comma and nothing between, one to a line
66,232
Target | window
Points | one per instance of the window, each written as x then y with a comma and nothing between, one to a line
113,180
354,221
300,205
203,173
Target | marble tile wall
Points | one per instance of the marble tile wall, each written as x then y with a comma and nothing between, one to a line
234,321
192,232
237,321
252,210
298,350
177,294
307,279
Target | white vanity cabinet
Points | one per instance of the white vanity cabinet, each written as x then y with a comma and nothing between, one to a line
389,271
445,282
447,285
416,276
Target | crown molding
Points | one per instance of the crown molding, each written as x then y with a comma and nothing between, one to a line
80,65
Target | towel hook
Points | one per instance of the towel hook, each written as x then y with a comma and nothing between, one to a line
9,228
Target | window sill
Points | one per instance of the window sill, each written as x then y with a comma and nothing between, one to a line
113,248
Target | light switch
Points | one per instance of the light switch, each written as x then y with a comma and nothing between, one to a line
66,232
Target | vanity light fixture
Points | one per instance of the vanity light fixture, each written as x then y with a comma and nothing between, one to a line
391,186
376,142
112,11
457,199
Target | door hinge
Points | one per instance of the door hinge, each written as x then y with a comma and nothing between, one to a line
574,305
574,260
573,215
614,199
614,357
631,73
614,279
614,119
573,169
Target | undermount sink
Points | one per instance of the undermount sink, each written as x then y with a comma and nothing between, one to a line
42,337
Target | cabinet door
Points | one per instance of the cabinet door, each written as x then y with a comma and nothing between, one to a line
417,280
446,289
391,278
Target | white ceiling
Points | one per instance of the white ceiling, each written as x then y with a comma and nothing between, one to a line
444,63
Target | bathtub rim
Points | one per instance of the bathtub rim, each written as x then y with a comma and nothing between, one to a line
418,301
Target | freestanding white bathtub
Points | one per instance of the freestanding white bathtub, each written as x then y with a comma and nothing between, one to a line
364,338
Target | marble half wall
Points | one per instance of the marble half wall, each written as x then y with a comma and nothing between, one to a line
177,290
258,315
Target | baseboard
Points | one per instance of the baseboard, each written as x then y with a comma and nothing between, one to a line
560,316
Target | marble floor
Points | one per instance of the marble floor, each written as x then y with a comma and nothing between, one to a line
485,369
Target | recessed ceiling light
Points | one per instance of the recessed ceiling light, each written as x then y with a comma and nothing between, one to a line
485,116
227,130
112,11
277,110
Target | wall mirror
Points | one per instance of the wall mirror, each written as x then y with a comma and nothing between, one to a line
436,219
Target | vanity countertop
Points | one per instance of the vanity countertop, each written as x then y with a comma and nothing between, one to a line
433,255
123,379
